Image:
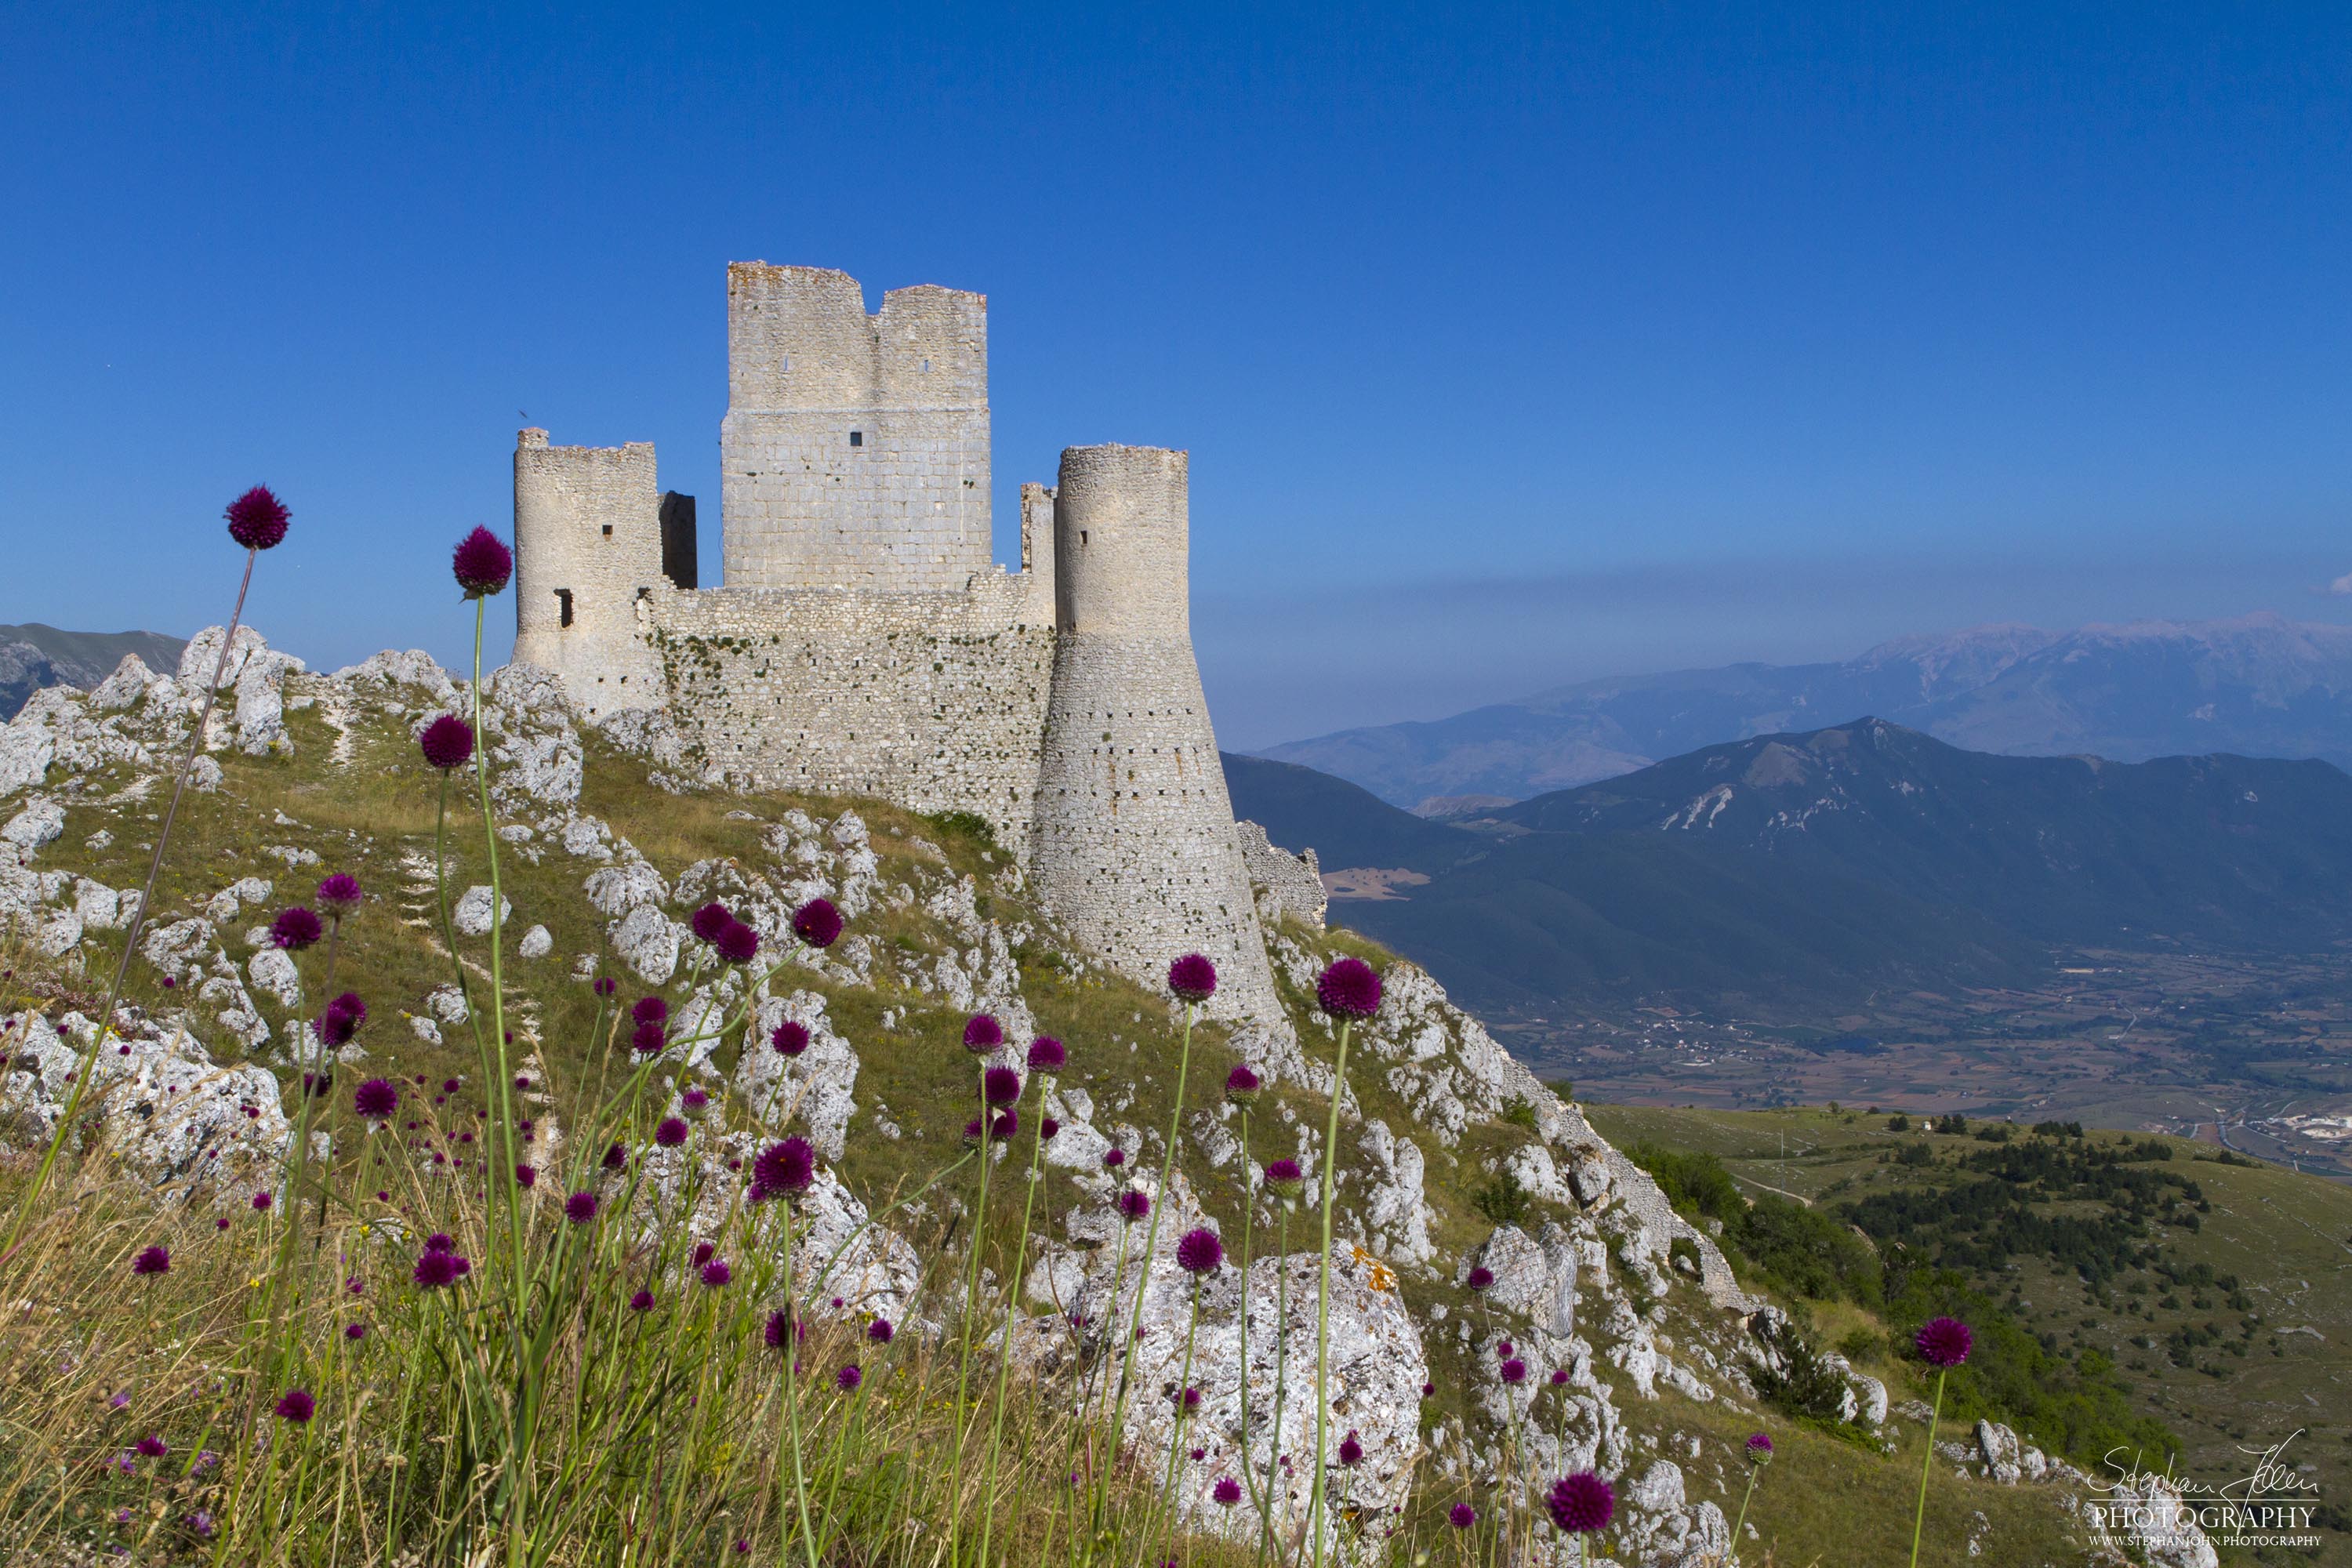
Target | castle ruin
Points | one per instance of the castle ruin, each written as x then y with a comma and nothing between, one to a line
863,642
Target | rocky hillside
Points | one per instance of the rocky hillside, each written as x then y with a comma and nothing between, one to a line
1644,1350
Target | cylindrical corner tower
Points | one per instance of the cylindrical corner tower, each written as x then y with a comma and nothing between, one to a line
1135,843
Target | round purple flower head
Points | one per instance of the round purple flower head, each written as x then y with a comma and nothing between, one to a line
447,742
1133,1205
527,1175
335,1028
257,519
1759,1449
779,1329
716,1273
670,1132
972,1131
1580,1504
791,1038
605,986
262,1201
1113,1159
297,1406
481,564
1513,1371
1559,1377
1351,1449
439,1242
339,895
999,1086
1285,1177
708,921
152,1260
355,1332
739,943
435,1270
1479,1278
1350,988
1193,978
350,1008
649,1010
849,1378
1005,1127
1200,1251
981,1032
151,1447
694,1101
785,1168
579,1207
1461,1516
817,923
648,1038
643,1301
1242,1086
1944,1342
1046,1055
295,929
1047,1128
615,1159
1226,1492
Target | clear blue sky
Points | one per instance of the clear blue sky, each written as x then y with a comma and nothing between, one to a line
1510,349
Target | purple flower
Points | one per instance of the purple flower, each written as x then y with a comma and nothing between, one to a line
1580,1504
1480,1276
849,1378
1285,1177
481,564
262,1200
1242,1086
439,1242
779,1329
1759,1449
616,1158
981,1032
643,1301
1503,1350
710,920
152,1260
1193,978
355,1332
1047,1128
1513,1371
447,742
972,1131
1429,1391
1559,1377
1133,1205
671,1132
1200,1251
295,929
339,895
791,1038
880,1331
528,1175
201,1522
1944,1342
785,1168
297,1406
817,923
257,519
694,1101
1188,1402
579,1207
350,1006
649,1010
1461,1516
1006,1126
605,985
739,943
1113,1159
648,1038
1351,1449
999,1086
1350,988
434,1271
151,1447
1046,1055
1226,1492
716,1273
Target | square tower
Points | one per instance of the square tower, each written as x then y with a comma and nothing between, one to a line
855,453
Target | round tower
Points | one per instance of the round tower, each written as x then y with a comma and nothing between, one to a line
1134,846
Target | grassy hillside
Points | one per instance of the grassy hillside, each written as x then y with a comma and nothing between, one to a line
2231,1324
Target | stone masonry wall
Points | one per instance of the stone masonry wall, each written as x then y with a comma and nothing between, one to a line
935,701
587,523
1134,844
855,452
1285,884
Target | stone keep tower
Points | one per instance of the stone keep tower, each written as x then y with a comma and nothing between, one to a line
1135,844
588,546
855,448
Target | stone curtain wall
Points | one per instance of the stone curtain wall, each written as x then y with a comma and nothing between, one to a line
1134,846
566,498
1285,884
907,507
934,701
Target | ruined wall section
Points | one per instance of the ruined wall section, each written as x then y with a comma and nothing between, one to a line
934,701
588,547
855,452
1134,846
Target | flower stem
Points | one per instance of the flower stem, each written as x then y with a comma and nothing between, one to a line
791,1390
1927,1466
1012,1305
971,1311
1281,1367
1323,1294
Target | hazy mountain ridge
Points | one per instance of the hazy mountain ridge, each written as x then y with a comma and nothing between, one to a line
2258,686
33,657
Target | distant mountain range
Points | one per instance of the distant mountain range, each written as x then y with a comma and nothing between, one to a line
1823,866
2260,686
34,655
